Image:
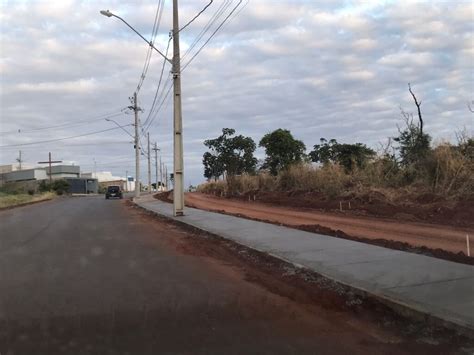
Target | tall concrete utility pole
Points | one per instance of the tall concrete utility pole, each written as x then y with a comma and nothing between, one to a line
155,148
161,171
126,180
149,163
137,148
178,192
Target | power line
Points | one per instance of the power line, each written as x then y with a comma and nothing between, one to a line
212,35
154,33
159,84
161,104
61,139
222,8
70,124
195,17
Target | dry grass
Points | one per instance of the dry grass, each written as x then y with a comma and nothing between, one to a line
11,200
446,172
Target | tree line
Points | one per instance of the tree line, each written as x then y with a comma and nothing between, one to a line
408,156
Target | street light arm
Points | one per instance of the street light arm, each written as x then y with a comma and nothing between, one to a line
110,14
121,127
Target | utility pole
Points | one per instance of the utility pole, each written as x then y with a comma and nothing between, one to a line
161,171
166,177
50,162
178,192
126,180
19,160
149,163
137,148
156,166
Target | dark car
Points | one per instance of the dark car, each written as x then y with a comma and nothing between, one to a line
113,191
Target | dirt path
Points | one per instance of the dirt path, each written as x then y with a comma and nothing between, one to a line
417,234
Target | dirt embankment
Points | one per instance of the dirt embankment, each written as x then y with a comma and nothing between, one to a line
428,208
446,242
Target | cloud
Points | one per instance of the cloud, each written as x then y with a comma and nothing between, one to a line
334,69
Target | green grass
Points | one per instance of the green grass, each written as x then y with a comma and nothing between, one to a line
11,200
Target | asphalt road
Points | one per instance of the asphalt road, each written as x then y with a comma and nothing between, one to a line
93,276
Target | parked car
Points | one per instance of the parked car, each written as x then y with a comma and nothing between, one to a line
113,191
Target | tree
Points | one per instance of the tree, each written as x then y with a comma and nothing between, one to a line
414,144
229,155
347,155
282,150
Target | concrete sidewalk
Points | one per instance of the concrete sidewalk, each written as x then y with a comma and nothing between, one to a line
439,288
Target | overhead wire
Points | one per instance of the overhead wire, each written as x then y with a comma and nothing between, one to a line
154,33
61,139
217,14
159,85
195,17
153,113
212,35
66,124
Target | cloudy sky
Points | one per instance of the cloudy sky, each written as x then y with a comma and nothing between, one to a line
329,68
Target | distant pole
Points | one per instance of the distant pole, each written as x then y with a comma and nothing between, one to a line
49,162
155,148
50,175
178,168
161,171
137,149
19,160
126,180
149,163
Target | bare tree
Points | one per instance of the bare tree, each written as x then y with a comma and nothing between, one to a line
469,107
418,105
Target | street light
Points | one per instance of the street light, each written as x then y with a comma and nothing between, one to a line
178,166
110,14
123,129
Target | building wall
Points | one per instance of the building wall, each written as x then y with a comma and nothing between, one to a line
82,186
24,175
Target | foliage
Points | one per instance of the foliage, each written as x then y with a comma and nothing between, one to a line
414,145
282,150
59,186
349,156
230,155
15,199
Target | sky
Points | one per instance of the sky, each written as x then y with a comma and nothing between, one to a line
329,68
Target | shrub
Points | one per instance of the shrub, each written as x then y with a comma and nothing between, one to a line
60,186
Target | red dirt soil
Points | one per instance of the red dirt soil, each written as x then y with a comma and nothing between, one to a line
449,238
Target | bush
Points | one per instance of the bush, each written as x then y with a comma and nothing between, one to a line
60,186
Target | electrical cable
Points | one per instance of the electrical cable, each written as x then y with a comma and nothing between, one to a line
154,33
62,139
159,84
76,123
222,8
195,17
212,35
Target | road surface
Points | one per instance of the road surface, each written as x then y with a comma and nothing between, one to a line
449,238
93,276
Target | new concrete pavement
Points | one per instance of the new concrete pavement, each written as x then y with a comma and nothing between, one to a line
438,288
